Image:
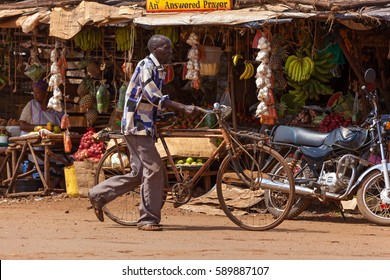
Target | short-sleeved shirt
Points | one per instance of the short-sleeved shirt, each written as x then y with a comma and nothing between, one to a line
144,98
32,113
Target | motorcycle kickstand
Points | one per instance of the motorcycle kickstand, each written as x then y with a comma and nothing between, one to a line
341,208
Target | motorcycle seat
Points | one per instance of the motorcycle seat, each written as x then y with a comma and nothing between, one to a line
299,136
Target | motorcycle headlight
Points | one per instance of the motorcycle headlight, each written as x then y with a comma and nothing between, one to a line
386,126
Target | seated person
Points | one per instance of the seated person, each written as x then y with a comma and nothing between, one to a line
36,112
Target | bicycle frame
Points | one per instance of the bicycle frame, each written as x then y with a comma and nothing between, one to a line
207,133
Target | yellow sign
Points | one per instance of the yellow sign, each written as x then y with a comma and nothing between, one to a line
187,5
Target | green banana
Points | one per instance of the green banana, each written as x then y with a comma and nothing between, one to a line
288,61
291,69
321,71
320,77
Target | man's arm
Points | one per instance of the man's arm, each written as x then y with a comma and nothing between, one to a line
25,119
188,109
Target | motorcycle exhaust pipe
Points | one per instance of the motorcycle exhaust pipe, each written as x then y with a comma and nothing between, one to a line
299,190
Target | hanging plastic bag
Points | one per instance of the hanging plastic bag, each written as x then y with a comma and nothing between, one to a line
65,124
225,98
34,70
67,142
121,100
102,99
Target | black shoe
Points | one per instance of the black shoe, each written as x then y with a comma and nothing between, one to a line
99,214
98,210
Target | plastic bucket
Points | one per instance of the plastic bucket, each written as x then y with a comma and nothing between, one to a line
3,140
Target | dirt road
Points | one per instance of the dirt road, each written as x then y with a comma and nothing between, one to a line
62,228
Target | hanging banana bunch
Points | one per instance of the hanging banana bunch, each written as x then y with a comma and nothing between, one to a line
299,69
309,76
249,70
169,31
89,39
125,38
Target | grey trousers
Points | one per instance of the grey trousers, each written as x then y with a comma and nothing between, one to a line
146,170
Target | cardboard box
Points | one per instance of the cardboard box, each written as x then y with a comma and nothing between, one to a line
185,147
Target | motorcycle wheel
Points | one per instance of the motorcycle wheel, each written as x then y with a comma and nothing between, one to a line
275,200
369,201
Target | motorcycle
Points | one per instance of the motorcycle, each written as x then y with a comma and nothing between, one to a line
337,166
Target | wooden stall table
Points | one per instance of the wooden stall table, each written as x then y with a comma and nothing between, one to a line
42,148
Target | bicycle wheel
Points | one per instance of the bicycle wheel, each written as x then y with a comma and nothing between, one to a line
239,187
123,209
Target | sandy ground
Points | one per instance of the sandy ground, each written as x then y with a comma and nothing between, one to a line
63,228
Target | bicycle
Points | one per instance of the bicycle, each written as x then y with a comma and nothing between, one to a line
247,166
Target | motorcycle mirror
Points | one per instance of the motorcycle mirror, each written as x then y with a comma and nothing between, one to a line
370,75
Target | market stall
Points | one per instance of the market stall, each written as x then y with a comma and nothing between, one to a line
32,161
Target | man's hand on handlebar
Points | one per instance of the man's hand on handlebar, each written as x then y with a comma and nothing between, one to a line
190,109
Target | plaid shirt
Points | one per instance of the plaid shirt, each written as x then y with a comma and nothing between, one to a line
144,98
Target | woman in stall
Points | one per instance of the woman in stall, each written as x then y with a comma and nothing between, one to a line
36,113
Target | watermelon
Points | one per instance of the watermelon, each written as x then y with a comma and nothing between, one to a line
210,121
333,100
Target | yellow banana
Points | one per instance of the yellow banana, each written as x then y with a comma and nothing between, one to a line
246,71
236,58
251,70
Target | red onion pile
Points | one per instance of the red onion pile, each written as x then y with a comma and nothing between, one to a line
89,149
333,121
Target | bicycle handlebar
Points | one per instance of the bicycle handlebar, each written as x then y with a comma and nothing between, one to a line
205,111
217,108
